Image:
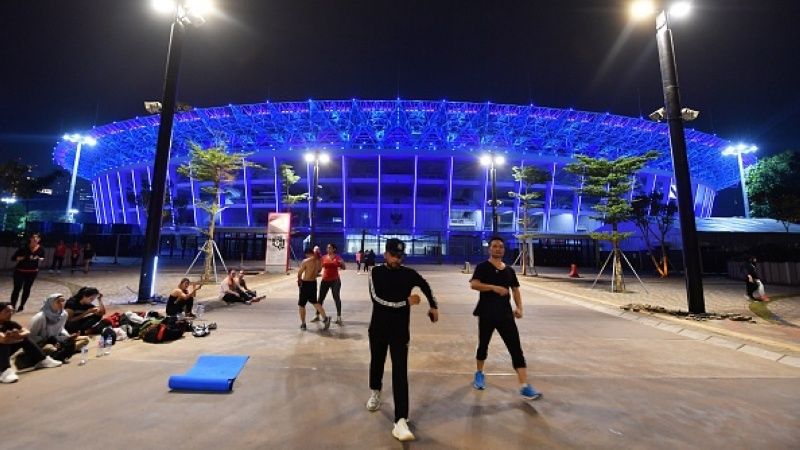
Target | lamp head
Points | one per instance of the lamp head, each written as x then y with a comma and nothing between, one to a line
486,160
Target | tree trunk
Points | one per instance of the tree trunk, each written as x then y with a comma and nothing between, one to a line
619,280
208,264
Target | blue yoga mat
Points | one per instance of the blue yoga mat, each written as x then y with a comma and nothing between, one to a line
210,373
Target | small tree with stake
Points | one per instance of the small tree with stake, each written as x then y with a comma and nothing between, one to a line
527,176
219,167
611,182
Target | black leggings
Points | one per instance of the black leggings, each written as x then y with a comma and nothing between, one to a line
335,286
58,262
508,332
233,298
81,326
22,281
378,345
33,354
174,307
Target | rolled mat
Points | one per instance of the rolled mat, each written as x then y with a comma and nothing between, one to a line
214,373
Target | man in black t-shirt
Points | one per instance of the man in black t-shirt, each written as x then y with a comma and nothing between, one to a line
496,281
390,288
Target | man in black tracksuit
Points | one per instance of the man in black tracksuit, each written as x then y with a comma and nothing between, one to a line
390,288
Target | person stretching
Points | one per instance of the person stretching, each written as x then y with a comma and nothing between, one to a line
307,284
495,280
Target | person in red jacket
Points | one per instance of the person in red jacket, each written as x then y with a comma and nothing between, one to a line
58,256
75,253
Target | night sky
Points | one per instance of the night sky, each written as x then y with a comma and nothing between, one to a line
68,65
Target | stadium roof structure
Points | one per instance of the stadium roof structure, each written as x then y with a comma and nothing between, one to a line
389,126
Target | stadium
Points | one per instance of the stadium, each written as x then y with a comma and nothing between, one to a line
404,168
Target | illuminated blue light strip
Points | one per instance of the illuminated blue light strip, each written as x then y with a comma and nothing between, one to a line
96,204
122,200
309,181
135,197
450,194
110,200
276,169
549,200
379,192
194,198
344,192
246,192
414,198
517,210
102,199
485,197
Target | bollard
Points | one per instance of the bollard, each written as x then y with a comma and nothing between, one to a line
467,268
573,271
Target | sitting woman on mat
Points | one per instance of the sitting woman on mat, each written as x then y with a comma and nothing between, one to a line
181,300
47,330
229,290
82,315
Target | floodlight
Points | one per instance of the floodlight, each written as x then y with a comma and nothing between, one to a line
309,157
486,160
689,114
658,115
680,9
9,200
324,158
641,9
499,160
152,107
164,6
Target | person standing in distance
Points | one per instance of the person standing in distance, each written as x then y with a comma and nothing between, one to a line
390,288
496,282
27,260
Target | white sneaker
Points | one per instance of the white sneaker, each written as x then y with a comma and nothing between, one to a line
401,431
47,363
9,376
374,401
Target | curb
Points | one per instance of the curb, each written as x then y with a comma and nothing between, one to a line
680,327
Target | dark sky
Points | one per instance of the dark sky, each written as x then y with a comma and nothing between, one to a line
68,65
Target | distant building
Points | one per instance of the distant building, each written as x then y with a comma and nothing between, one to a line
398,167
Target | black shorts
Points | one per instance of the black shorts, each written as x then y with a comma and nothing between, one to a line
308,293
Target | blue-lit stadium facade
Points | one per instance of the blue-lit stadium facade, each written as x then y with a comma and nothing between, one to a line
400,167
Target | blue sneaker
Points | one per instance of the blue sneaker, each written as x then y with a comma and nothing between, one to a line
529,393
480,381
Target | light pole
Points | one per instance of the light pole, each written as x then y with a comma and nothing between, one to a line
677,139
79,140
187,13
491,160
315,158
740,150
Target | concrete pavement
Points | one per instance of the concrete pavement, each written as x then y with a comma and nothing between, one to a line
607,382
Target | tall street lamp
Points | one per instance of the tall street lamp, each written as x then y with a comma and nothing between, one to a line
677,139
315,158
187,13
740,150
491,160
80,140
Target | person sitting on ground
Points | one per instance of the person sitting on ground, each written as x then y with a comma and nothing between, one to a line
48,332
181,300
243,289
14,337
82,314
229,290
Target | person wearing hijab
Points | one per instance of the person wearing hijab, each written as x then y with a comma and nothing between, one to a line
47,330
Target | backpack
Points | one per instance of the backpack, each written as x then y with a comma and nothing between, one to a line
168,329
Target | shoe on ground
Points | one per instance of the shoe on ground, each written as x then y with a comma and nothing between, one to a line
316,318
9,376
338,320
401,431
20,309
374,401
479,382
529,393
248,302
48,363
303,327
326,323
212,326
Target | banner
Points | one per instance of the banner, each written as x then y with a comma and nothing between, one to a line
277,255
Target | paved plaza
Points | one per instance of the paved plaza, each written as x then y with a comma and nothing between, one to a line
611,379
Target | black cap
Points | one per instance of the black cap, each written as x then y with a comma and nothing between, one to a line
396,247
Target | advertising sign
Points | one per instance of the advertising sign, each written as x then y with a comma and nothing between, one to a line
277,255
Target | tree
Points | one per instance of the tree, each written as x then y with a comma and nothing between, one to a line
611,182
17,181
773,187
288,179
648,212
219,167
527,176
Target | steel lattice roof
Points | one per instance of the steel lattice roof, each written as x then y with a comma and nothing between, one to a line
398,126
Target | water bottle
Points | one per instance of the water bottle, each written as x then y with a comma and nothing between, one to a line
200,310
100,346
84,354
109,344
